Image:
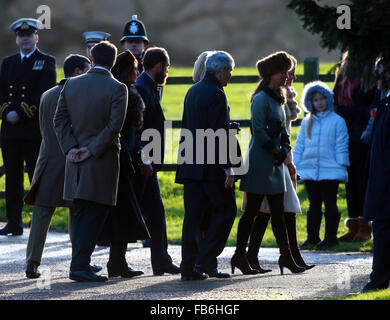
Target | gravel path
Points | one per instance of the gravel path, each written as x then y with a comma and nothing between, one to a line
335,274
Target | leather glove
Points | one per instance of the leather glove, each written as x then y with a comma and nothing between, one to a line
28,110
235,125
282,155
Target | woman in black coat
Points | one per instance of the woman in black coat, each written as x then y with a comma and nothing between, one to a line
125,223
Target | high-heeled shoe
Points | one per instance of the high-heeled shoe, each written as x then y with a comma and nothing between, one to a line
254,264
288,262
241,262
308,267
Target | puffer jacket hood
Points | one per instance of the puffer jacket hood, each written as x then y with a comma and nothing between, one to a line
310,89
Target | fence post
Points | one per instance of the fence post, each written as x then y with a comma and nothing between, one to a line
311,70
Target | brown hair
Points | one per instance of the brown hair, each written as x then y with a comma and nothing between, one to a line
104,54
294,62
153,56
124,66
270,65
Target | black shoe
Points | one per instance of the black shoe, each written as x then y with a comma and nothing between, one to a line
310,244
371,287
13,231
32,270
146,243
216,274
195,275
96,268
327,243
172,269
124,273
86,276
103,243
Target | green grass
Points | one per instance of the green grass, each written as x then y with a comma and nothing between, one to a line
238,98
372,295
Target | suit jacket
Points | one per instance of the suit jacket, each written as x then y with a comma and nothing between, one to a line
153,115
205,107
377,204
90,113
24,83
47,186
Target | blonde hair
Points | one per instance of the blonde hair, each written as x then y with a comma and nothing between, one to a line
200,66
343,65
309,125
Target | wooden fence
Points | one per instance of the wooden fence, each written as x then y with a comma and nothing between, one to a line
311,72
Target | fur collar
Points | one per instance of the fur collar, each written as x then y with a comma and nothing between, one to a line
273,95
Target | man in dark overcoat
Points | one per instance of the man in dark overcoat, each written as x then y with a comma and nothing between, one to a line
156,64
377,204
24,76
206,182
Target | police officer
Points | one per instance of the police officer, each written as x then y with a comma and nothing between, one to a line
94,37
135,39
23,78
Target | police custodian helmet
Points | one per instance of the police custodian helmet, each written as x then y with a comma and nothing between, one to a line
134,30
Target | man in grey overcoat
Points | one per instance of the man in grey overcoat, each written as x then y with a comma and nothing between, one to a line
90,114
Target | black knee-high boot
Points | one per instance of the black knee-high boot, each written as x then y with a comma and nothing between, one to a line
239,258
257,233
280,231
291,226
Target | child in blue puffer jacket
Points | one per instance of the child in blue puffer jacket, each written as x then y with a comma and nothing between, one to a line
321,159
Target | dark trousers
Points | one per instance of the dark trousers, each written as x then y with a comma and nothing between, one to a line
152,207
222,212
324,191
15,154
380,275
359,154
88,222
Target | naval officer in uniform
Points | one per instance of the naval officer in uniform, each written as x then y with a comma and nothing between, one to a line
94,37
24,76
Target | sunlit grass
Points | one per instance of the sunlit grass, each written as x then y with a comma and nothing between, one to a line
371,295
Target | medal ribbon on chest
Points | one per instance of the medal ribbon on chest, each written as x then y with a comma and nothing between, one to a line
38,65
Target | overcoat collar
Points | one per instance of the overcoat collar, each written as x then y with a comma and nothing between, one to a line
147,79
101,71
209,77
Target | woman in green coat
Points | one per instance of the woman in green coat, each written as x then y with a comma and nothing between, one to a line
268,149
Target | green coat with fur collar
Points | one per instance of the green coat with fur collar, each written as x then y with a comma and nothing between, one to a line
268,129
